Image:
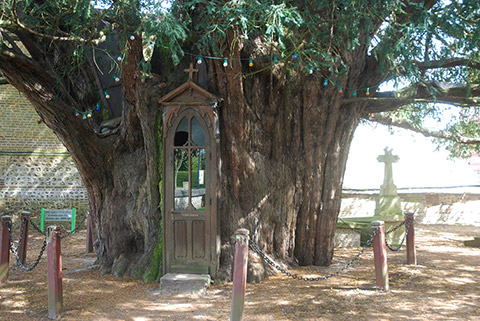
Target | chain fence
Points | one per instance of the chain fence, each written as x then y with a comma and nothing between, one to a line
407,224
254,247
14,249
77,226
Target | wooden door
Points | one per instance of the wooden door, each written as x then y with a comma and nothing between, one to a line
189,184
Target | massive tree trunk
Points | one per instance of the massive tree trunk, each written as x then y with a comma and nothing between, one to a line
120,169
285,138
284,150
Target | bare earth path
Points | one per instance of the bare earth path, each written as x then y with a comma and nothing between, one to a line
445,285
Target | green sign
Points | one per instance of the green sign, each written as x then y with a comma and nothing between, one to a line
58,215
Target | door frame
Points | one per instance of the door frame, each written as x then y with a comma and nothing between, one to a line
207,116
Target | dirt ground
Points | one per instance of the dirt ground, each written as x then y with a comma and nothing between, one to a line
445,285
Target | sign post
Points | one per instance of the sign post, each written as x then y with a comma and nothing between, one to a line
54,273
380,255
5,248
25,224
411,251
240,262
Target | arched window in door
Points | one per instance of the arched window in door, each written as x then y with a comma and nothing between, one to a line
189,153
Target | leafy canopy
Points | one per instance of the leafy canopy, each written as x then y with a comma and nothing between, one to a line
411,41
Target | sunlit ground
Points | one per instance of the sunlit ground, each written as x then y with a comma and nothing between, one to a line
443,286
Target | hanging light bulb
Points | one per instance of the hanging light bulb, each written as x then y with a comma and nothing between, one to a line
275,59
119,58
225,62
77,113
116,78
295,55
199,60
310,71
98,106
354,93
325,83
107,95
132,37
367,93
340,90
250,62
89,115
84,116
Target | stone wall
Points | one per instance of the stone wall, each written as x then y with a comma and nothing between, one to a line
431,207
35,168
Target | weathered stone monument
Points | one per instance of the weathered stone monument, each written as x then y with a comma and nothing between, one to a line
388,202
388,207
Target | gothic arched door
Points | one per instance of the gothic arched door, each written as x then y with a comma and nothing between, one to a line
190,191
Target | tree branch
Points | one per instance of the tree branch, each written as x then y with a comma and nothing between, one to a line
400,123
70,38
433,92
447,63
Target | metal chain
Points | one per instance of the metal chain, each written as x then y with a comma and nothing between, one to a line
68,234
294,276
14,252
354,229
407,226
37,228
395,228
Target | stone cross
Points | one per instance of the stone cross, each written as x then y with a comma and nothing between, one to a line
190,71
388,188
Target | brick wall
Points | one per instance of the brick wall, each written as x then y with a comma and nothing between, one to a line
35,168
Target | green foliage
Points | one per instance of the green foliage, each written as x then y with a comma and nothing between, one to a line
467,125
182,176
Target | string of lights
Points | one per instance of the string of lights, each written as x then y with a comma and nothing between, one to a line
200,59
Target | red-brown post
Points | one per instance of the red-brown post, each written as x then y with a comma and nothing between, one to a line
411,250
240,262
5,249
380,255
89,239
54,273
22,250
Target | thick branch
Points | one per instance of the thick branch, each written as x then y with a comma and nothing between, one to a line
447,63
401,123
69,38
434,92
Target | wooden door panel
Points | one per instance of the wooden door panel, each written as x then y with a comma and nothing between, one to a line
198,239
180,239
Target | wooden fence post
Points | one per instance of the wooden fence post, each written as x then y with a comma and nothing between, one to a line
411,250
22,250
89,239
5,249
54,272
240,262
380,255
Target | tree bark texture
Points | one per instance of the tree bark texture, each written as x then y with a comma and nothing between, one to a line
284,147
119,171
285,138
